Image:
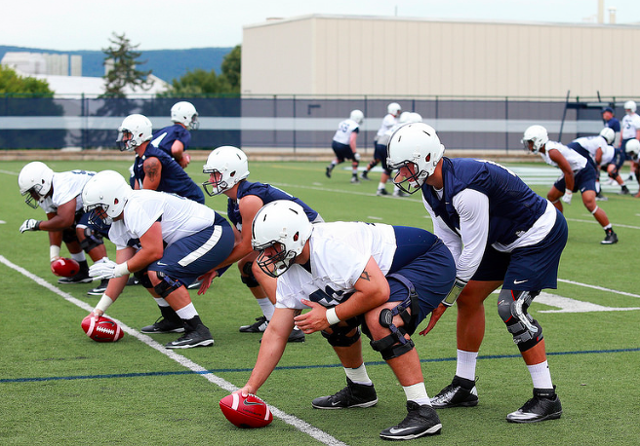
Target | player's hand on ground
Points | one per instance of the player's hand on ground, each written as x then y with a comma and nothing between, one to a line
435,316
30,225
314,320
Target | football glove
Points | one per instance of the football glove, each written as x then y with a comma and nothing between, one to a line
30,225
567,197
108,270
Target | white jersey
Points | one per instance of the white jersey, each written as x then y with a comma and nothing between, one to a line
576,161
591,144
339,253
179,217
608,153
630,125
345,129
384,139
387,122
66,187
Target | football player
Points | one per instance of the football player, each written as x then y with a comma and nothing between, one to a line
500,233
344,144
178,241
383,278
175,139
394,112
228,169
630,130
577,174
59,195
633,150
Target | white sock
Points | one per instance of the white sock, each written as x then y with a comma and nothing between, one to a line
188,312
161,302
267,307
466,364
359,375
417,393
540,375
381,186
79,257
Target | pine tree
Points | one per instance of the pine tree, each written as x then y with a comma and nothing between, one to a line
122,58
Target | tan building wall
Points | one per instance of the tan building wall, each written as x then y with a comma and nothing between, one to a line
346,55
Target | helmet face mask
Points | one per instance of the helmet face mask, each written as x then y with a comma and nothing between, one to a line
228,166
280,232
394,109
534,138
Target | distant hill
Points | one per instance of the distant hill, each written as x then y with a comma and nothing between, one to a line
165,64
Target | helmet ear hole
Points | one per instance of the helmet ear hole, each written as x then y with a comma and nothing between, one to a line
296,237
427,158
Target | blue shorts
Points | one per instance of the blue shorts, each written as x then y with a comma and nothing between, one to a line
342,151
427,263
584,180
380,154
530,268
191,257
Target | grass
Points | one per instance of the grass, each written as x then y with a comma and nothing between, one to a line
59,387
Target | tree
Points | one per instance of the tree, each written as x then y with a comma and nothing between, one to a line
202,82
121,55
14,84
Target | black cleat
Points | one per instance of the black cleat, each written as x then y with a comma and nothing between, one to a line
163,326
461,392
200,337
257,327
328,172
545,405
365,175
81,277
100,289
355,179
354,395
420,422
380,192
133,280
624,190
610,238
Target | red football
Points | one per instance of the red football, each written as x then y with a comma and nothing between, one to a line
65,267
246,412
102,330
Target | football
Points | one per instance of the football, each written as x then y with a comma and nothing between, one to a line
64,267
102,330
246,412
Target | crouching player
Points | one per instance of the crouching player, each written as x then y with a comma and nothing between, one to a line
384,278
179,240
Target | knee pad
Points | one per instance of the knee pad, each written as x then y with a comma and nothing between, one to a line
92,240
143,277
69,235
512,307
249,279
340,336
166,286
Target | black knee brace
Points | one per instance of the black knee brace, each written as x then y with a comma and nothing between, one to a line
512,307
143,278
91,240
340,335
166,286
249,279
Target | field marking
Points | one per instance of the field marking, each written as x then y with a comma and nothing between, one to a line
568,305
299,424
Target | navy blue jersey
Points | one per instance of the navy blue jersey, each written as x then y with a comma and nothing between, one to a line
513,206
614,124
267,193
173,180
164,138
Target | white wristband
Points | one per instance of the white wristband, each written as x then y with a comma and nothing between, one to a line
121,269
332,317
104,303
54,253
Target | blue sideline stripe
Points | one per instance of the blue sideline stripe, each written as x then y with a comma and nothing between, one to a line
189,372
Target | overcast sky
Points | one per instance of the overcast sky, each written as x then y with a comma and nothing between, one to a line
162,24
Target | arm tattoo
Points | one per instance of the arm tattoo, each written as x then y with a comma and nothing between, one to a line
365,276
152,168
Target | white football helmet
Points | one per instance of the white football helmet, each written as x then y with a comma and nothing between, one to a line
417,148
404,118
136,129
232,166
35,179
630,105
185,113
357,115
608,134
394,109
107,190
415,117
633,149
537,135
283,225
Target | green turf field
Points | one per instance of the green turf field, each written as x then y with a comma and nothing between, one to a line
59,387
